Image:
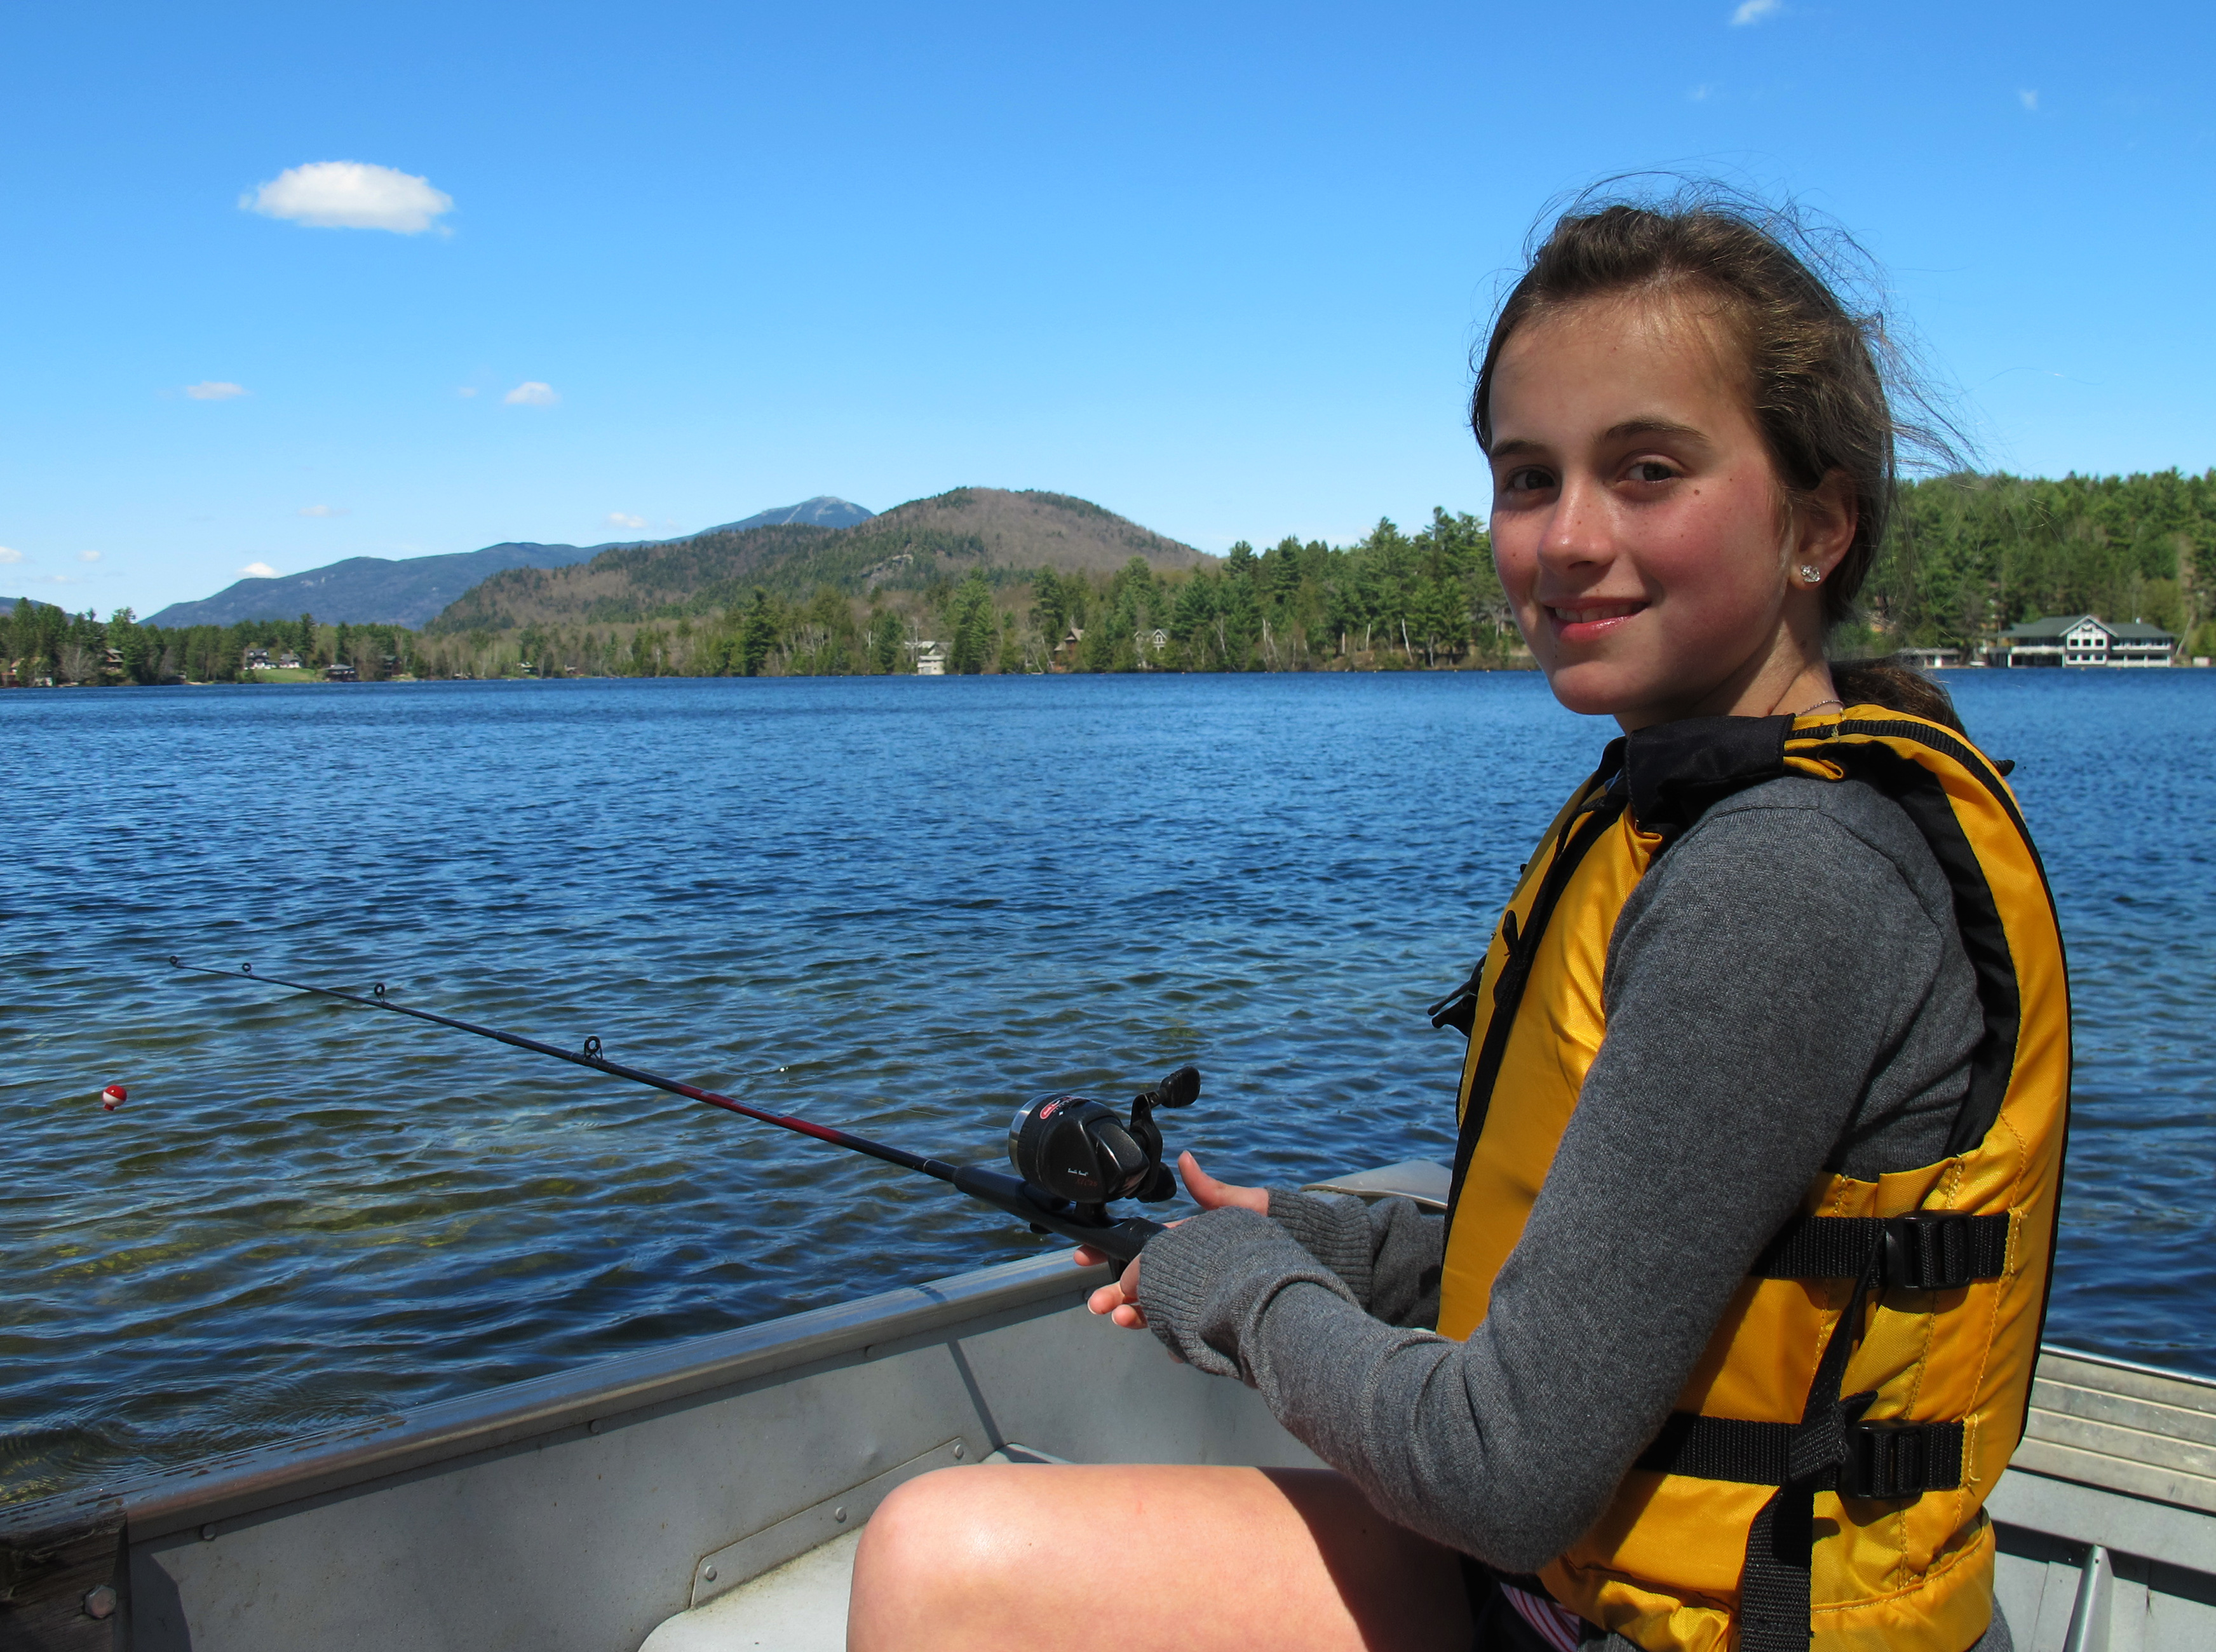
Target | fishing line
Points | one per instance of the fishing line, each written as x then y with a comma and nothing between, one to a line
1075,1155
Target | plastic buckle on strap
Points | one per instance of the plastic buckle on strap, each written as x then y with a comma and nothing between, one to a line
1901,1459
1928,1250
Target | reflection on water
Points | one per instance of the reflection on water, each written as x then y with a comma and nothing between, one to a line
897,904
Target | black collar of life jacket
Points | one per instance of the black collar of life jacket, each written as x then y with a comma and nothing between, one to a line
1676,771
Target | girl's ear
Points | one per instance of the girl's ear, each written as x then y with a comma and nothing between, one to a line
1824,519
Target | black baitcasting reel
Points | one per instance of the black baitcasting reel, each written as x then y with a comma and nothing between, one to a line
1080,1150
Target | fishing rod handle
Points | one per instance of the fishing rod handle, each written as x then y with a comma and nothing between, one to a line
1121,1239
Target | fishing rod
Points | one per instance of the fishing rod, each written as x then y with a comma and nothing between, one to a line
1074,1156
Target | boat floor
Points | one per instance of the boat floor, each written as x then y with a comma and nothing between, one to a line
800,1607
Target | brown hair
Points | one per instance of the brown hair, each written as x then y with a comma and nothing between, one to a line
1822,380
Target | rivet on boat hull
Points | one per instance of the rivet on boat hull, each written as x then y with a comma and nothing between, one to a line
840,1515
207,1534
100,1602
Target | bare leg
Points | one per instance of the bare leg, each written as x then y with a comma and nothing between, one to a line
1033,1558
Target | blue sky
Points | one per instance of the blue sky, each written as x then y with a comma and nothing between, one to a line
1218,267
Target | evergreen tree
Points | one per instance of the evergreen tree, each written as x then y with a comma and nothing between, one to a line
970,612
758,635
885,642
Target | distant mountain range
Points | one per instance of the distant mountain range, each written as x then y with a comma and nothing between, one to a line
911,545
412,591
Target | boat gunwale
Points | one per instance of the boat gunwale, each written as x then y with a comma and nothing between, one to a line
263,1478
2168,1373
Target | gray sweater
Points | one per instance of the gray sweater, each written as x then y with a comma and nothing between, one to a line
1787,994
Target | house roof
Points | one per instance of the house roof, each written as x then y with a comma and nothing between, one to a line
2052,631
2040,631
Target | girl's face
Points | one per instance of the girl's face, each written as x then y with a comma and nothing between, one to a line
1638,523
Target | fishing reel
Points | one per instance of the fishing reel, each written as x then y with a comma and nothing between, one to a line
1079,1150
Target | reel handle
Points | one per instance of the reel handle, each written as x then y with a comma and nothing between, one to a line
1180,1089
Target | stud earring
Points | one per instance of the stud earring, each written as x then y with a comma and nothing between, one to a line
1811,574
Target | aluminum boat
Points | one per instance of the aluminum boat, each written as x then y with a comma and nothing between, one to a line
708,1497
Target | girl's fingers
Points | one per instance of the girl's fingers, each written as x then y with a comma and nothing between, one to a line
1211,1194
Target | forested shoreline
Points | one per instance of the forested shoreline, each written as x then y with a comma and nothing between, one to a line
1970,556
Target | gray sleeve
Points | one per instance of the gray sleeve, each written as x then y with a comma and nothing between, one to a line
1387,1253
1757,981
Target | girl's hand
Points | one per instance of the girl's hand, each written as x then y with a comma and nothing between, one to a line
1120,1301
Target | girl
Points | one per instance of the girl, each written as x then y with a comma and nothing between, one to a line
1729,1328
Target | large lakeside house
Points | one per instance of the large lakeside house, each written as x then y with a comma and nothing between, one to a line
2085,640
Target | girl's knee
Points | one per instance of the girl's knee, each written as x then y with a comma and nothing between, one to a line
937,1527
935,1559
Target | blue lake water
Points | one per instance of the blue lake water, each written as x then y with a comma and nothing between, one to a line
897,904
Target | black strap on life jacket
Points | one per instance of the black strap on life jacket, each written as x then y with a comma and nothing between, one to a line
1834,1446
1918,1250
1883,1460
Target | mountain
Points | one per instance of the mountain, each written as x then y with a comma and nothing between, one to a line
367,590
412,590
822,511
944,537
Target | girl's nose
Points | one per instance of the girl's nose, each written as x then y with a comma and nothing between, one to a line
1576,528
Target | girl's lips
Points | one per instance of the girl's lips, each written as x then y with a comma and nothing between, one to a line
1589,619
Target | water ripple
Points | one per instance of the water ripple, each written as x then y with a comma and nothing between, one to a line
900,905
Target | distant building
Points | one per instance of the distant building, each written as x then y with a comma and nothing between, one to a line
1933,659
257,659
929,661
340,674
2087,639
289,661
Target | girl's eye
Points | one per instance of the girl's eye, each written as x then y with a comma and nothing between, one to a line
1652,470
1528,478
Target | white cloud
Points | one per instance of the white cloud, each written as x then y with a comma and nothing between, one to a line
321,510
9,554
1754,11
2030,101
616,519
214,389
259,570
531,392
88,556
466,392
350,195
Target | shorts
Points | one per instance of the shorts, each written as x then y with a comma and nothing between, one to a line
1499,1626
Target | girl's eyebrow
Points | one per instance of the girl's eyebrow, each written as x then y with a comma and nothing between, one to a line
1630,429
1651,427
1514,448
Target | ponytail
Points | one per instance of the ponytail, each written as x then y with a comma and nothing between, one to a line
1895,684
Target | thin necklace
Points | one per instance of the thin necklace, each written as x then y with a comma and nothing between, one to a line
1819,705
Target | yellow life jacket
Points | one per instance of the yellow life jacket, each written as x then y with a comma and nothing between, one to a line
1824,1474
